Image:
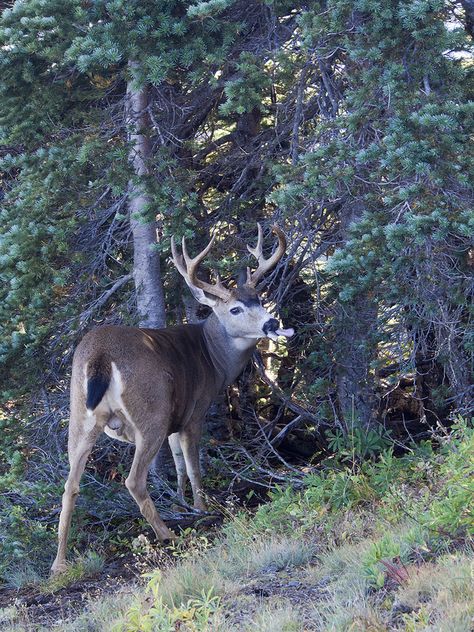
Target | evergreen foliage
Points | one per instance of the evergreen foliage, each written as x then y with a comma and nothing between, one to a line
348,123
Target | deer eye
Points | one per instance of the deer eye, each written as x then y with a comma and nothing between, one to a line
236,310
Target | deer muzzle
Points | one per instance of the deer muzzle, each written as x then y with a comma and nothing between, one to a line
272,330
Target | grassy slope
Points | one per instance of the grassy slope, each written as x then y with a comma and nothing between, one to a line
387,545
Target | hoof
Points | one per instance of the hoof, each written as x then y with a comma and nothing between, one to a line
171,540
168,538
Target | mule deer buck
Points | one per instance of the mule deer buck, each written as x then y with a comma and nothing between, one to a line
144,385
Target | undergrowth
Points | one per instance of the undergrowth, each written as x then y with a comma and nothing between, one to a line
364,528
434,489
380,544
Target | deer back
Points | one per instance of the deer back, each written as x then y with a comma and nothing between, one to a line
168,370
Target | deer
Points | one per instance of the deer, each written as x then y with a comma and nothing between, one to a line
144,386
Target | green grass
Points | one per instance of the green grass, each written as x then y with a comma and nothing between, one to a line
277,617
99,614
83,566
385,544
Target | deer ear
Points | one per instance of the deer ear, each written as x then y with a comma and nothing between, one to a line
201,296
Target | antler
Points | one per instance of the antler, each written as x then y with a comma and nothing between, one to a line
264,265
187,267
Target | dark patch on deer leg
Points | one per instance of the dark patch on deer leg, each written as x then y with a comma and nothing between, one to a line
79,450
136,485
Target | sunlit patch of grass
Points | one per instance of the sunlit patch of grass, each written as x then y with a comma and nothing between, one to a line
345,602
8,617
437,596
355,617
264,554
100,614
444,589
189,579
16,618
219,572
84,566
198,614
231,560
277,617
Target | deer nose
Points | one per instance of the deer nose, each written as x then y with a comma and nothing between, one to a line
270,325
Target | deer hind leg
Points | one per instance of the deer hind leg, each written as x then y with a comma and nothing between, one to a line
136,485
79,448
179,463
189,440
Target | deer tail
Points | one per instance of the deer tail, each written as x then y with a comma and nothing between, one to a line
99,372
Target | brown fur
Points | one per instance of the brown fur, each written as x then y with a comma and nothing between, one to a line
164,382
144,385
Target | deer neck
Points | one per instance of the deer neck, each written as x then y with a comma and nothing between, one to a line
228,355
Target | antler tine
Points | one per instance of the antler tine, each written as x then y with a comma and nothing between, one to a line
219,283
187,267
192,263
249,277
177,258
257,252
264,265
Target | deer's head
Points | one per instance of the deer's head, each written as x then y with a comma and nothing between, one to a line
238,309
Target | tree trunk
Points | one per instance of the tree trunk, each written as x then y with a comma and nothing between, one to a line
355,349
146,259
357,402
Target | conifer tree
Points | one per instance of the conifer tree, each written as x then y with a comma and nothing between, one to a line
392,154
348,123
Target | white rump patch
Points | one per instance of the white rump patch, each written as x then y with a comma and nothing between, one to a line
112,407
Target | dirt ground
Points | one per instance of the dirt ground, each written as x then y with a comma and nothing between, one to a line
39,609
42,610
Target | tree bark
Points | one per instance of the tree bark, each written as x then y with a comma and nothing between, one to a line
146,258
355,321
355,384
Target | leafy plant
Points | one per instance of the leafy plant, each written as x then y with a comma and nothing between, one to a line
452,511
194,615
384,549
358,443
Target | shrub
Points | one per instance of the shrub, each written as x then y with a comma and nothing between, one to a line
193,615
358,443
452,511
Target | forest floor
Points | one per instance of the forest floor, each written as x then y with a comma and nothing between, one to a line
38,608
383,545
283,589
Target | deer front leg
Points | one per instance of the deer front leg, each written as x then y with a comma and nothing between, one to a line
189,440
136,485
79,448
179,463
